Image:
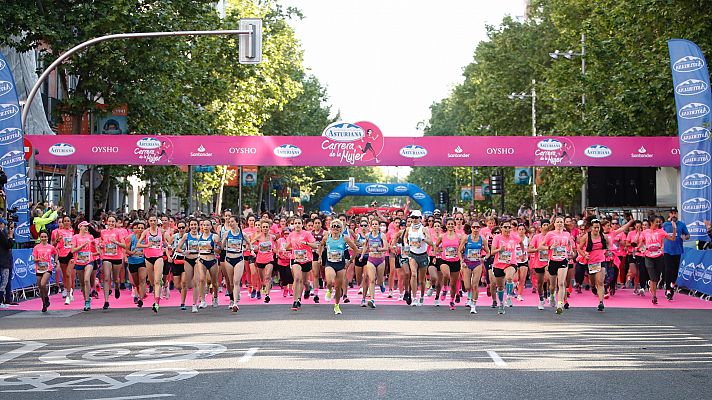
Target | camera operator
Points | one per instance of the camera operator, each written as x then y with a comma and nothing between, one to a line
7,241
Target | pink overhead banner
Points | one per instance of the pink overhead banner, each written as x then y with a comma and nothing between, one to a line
565,151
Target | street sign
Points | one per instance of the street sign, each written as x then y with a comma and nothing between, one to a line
250,46
204,168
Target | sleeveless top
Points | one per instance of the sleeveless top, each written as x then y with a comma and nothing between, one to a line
473,249
138,258
335,249
416,241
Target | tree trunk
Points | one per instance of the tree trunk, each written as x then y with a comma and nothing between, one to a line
221,189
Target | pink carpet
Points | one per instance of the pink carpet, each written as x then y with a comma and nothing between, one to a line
623,299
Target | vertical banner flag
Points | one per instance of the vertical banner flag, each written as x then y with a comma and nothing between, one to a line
12,152
522,175
693,101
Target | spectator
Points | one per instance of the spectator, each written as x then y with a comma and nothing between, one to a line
673,250
40,220
6,243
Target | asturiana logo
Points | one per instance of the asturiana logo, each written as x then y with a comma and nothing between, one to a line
694,110
23,230
696,205
400,189
20,268
376,189
10,135
62,149
696,181
598,151
696,134
691,87
699,271
697,228
5,87
707,277
688,64
12,159
287,151
353,189
343,132
335,195
148,143
16,182
413,151
21,204
2,64
549,144
419,196
696,158
8,111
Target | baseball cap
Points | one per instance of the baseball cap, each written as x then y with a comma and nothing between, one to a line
437,211
673,209
416,213
83,223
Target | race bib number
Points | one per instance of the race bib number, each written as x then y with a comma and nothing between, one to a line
558,252
154,243
405,249
414,242
594,268
300,256
505,256
654,250
83,257
451,252
472,255
334,256
192,246
110,249
205,247
234,245
265,247
543,255
67,242
42,267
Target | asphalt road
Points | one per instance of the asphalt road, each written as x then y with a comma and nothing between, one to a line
270,352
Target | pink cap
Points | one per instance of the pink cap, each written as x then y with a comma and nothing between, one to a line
83,223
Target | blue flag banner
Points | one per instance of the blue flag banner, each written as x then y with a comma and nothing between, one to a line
23,269
693,100
12,153
696,271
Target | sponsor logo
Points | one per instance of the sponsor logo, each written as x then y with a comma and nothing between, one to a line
696,205
376,189
687,271
707,277
688,64
334,195
413,151
23,230
105,149
642,153
287,151
694,110
20,268
10,135
22,204
500,150
549,144
697,228
8,111
458,153
242,150
696,181
699,271
344,132
201,152
353,189
696,158
675,151
696,134
148,143
2,64
12,159
419,196
16,182
598,151
401,189
5,87
691,87
62,149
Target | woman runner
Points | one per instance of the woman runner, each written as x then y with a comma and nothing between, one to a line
451,258
504,246
374,246
300,243
334,246
593,249
559,244
136,261
541,260
191,273
84,251
46,257
471,246
151,241
653,239
266,247
62,240
233,243
112,257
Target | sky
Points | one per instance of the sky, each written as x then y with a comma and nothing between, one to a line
387,61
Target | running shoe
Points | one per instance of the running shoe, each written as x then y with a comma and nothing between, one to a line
552,300
383,289
229,306
294,306
139,304
520,298
668,295
559,308
285,292
473,309
194,309
578,288
253,294
566,305
509,301
408,298
44,306
613,290
430,291
215,302
64,293
155,308
360,290
500,309
494,303
67,301
533,290
346,299
71,295
203,304
457,298
259,295
87,305
469,303
168,293
594,290
94,294
267,299
541,305
601,306
299,304
444,294
452,306
307,292
372,304
234,307
106,305
135,299
437,303
421,301
182,307
400,297
390,294
363,302
337,309
655,300
328,295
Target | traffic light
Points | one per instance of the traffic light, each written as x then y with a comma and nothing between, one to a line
441,197
250,45
496,184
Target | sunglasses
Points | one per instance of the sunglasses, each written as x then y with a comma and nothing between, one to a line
335,227
506,227
476,227
181,227
458,219
364,225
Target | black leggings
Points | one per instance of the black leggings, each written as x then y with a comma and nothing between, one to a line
672,266
580,273
285,275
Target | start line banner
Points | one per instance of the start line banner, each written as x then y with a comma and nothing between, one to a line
541,151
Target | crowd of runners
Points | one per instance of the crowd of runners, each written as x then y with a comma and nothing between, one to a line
406,256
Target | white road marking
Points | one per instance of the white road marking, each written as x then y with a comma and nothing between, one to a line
250,352
148,396
496,358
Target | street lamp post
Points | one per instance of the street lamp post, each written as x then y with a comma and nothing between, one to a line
570,54
522,96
